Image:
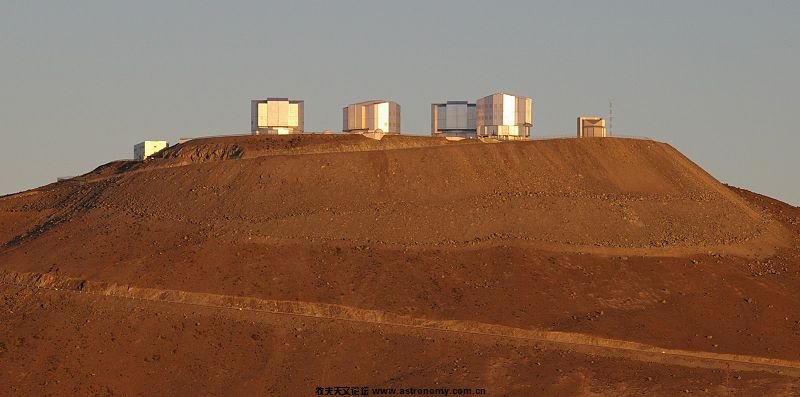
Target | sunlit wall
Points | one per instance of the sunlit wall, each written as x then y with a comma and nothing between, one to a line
504,116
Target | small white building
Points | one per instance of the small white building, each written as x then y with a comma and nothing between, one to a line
143,150
591,127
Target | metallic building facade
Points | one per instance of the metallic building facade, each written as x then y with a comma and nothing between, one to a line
591,127
453,118
276,116
504,116
371,116
143,150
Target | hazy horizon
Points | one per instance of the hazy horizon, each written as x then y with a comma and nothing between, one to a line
83,82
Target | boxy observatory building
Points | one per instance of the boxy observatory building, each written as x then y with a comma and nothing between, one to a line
371,116
503,116
453,119
143,150
276,116
591,127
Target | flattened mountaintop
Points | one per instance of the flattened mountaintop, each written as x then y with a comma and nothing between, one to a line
568,194
250,146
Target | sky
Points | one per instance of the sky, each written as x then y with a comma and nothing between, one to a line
81,82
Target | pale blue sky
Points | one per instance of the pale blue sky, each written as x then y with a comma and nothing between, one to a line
81,82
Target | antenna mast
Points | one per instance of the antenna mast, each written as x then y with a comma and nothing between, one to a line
610,116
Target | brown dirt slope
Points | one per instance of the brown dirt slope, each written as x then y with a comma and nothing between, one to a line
564,194
243,147
566,340
614,238
57,342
